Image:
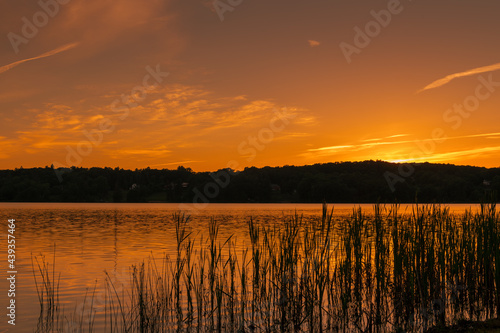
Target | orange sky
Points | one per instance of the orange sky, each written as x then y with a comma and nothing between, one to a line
273,83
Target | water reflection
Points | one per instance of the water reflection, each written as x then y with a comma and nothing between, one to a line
89,239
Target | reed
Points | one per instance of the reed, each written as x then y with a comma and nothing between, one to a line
52,317
47,287
380,272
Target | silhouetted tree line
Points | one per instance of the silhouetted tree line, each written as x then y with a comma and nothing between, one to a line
357,182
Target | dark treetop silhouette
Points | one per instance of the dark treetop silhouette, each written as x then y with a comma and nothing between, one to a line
356,182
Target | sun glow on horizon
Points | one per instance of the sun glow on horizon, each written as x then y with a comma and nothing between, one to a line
165,84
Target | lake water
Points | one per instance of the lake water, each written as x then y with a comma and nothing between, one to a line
91,239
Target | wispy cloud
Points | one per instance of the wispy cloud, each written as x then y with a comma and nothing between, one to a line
356,147
313,43
199,113
6,147
124,22
176,163
397,136
331,149
44,55
445,157
159,151
487,135
180,121
448,78
371,143
387,137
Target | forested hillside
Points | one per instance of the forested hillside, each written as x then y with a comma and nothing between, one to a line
359,182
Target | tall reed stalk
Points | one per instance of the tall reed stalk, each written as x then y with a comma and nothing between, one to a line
366,272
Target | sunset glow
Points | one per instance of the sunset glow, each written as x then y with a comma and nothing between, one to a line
164,83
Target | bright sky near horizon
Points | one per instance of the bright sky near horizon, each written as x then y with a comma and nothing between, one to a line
210,84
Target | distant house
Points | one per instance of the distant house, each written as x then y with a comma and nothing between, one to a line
486,182
275,188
